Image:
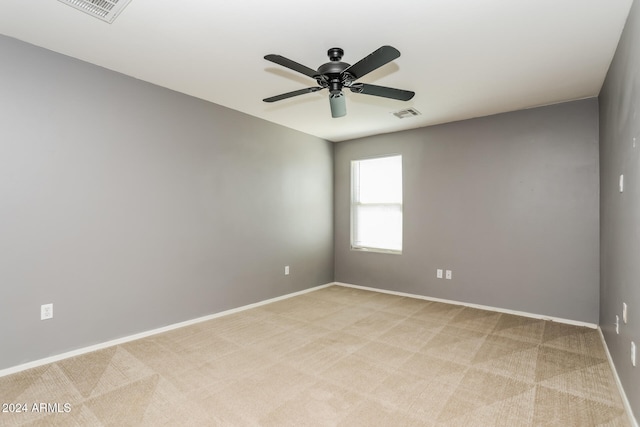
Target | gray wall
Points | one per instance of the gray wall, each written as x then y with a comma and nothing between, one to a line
131,207
620,212
509,203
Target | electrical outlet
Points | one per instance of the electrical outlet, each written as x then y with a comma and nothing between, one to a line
624,312
286,270
448,275
617,324
439,273
46,311
633,354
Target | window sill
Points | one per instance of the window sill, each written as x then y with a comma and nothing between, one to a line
376,250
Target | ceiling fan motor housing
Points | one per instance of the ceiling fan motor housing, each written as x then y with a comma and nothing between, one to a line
331,72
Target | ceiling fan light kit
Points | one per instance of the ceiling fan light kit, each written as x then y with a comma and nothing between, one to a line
336,75
337,104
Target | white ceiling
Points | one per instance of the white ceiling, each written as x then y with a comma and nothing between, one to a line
463,58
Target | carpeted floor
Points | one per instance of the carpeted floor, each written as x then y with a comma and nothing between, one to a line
336,356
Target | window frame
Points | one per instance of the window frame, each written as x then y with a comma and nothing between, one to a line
353,203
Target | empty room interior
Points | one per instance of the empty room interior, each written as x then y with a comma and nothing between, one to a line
425,213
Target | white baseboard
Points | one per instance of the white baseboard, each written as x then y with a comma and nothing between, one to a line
623,395
478,306
100,346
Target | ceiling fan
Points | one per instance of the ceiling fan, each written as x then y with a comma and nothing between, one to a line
336,75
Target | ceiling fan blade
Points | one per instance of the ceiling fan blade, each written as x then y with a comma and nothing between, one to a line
373,61
292,65
383,91
292,94
338,105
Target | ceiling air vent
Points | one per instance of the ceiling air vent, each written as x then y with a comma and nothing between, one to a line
409,112
106,10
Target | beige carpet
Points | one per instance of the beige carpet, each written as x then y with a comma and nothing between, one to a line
336,356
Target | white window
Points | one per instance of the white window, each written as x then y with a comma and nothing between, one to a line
376,204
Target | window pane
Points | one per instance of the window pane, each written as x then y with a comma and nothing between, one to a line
378,227
380,180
